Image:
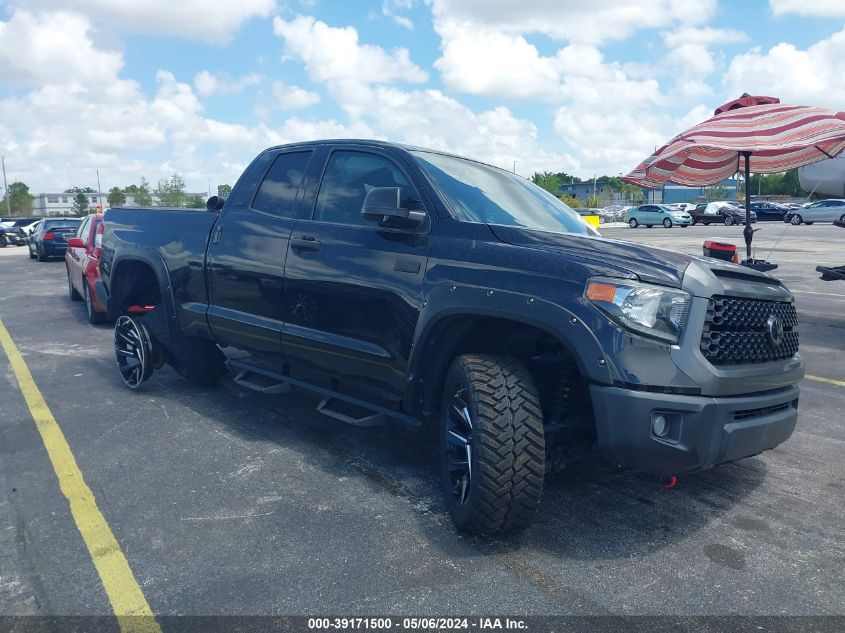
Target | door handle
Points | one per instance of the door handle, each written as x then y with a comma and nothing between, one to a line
305,242
215,237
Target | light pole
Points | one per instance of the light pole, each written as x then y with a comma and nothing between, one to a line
6,187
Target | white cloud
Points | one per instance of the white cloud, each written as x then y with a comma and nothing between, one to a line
389,9
813,8
333,54
484,62
689,48
50,47
808,77
289,97
211,20
573,20
208,84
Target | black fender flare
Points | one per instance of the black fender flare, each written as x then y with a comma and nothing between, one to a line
132,253
446,301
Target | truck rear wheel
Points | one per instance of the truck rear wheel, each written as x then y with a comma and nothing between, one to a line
492,446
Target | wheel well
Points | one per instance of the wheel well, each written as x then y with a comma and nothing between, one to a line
549,358
135,283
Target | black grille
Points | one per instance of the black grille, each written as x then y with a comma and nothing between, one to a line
736,331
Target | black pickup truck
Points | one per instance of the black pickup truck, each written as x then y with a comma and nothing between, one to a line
408,284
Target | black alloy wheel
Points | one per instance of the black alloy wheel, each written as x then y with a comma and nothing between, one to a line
133,349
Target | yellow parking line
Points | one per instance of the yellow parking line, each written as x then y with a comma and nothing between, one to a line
830,381
119,582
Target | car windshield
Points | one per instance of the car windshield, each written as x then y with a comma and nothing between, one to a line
62,224
481,193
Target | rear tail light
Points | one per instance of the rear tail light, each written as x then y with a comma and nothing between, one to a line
98,240
49,235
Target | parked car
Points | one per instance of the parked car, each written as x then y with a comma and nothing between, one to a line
820,211
14,231
720,213
657,214
82,260
423,287
769,210
50,238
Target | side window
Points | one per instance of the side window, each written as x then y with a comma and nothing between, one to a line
81,232
277,193
348,178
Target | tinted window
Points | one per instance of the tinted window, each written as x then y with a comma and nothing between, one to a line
82,228
277,193
348,178
482,193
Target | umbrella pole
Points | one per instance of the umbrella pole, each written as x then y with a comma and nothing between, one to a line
748,233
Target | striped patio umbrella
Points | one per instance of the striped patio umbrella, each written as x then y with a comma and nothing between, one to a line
765,135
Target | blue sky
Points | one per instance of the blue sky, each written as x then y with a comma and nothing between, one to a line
152,87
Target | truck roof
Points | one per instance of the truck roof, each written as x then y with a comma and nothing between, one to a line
381,144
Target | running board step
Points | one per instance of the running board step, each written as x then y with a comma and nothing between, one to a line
266,381
370,419
259,382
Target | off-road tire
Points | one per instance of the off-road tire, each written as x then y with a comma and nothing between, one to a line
508,447
197,359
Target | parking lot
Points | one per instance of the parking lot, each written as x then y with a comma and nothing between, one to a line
227,501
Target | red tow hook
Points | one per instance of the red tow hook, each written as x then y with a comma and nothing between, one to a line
669,482
139,309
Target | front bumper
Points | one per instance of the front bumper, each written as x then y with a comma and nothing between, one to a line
703,431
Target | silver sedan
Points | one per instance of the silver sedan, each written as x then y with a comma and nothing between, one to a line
821,211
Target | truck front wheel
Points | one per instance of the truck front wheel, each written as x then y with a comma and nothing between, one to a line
492,446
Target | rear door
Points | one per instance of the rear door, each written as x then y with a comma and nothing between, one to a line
352,287
246,254
76,256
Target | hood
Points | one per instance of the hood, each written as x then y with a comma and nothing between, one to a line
649,264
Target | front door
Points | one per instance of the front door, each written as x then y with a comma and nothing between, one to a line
352,287
246,258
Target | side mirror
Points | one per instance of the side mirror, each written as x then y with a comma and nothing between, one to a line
215,203
384,205
75,242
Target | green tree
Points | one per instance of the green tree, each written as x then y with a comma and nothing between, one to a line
171,191
117,198
195,202
548,181
80,204
141,196
593,201
716,192
19,199
224,190
570,200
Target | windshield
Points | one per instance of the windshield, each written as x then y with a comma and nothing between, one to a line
481,193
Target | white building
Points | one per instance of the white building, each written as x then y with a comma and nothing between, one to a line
61,204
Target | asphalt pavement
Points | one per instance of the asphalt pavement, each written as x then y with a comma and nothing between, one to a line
226,501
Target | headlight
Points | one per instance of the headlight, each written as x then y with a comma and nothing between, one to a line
649,310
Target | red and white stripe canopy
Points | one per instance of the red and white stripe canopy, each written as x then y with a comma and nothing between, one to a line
780,137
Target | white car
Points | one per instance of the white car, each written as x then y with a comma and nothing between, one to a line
820,211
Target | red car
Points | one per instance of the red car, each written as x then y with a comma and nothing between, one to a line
83,265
